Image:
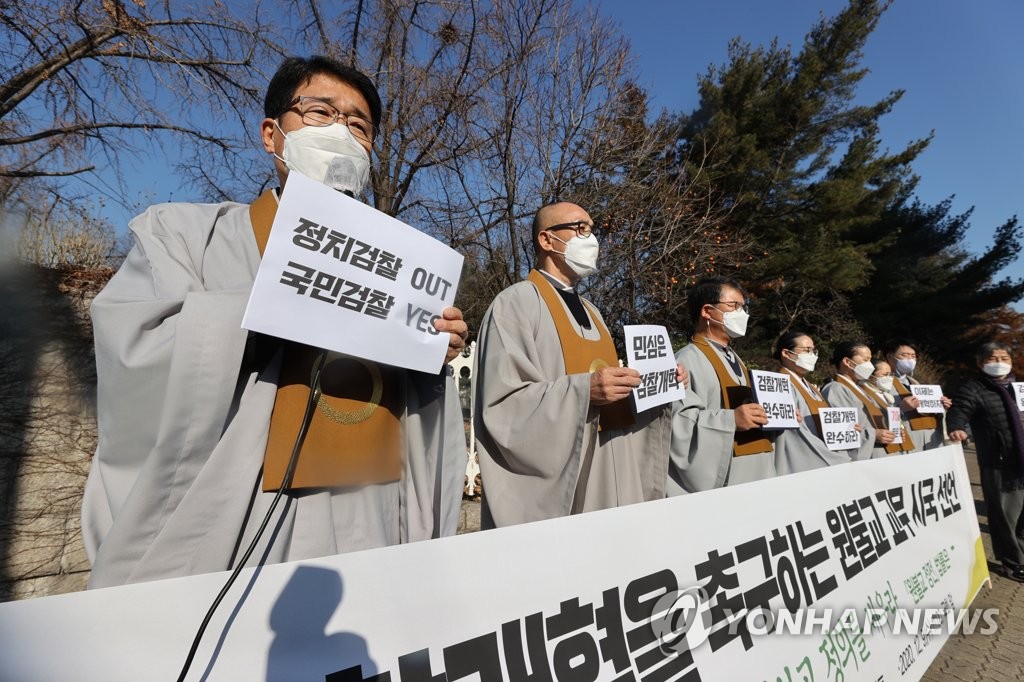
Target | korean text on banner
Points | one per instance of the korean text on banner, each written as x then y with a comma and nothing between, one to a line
861,575
341,275
930,396
775,394
837,427
649,352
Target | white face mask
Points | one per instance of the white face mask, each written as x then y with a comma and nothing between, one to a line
329,155
905,367
580,254
735,323
884,383
864,370
996,369
805,361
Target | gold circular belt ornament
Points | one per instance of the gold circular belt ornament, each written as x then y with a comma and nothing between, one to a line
597,364
350,418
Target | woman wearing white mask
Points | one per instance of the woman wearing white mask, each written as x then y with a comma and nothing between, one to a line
803,449
880,383
989,405
853,366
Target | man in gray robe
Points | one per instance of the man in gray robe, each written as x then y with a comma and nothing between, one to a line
716,434
555,430
186,396
927,431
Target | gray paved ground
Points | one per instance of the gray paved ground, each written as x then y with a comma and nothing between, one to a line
967,658
986,657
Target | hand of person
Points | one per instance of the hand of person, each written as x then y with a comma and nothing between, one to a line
682,376
451,321
910,403
884,437
609,384
958,436
799,416
750,416
858,428
946,402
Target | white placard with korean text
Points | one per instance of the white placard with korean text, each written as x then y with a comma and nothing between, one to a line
649,352
930,396
837,427
1018,394
894,539
339,274
775,394
895,423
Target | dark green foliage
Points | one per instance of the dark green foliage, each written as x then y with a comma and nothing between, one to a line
841,250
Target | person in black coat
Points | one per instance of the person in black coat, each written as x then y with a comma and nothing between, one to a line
988,404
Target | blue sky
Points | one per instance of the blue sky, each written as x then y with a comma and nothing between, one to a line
959,61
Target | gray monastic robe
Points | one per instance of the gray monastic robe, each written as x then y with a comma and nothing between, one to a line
802,449
175,486
924,439
839,394
703,430
541,454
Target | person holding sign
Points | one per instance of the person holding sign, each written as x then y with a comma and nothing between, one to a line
716,430
803,449
555,428
194,412
989,404
925,429
852,362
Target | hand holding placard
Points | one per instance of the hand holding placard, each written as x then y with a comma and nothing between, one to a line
649,353
340,275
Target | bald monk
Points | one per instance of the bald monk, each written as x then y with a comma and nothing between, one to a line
555,427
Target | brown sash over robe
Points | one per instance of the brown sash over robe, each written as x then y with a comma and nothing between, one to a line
752,441
354,436
876,406
918,422
812,397
583,356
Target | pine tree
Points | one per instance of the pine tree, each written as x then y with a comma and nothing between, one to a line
802,167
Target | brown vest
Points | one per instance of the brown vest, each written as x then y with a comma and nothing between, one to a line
583,356
354,436
876,406
815,401
917,421
753,441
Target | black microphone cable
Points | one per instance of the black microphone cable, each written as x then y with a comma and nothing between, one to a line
314,397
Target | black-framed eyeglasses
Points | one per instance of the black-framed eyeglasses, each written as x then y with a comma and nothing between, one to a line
318,113
583,228
797,350
734,306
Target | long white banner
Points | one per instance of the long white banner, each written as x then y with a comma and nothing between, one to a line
690,588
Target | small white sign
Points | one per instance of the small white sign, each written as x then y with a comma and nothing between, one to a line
895,423
837,427
775,394
341,275
649,352
1018,393
930,396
